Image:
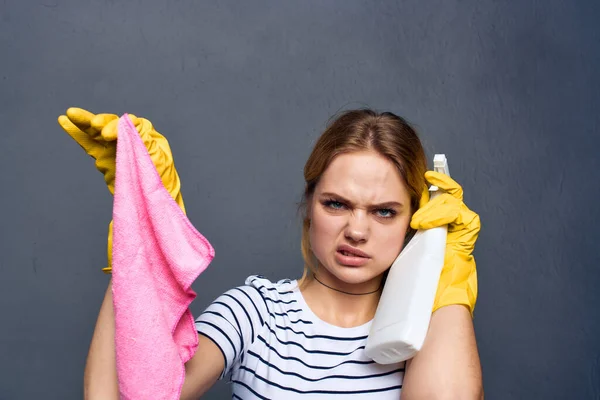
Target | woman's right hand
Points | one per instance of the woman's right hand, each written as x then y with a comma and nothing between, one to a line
97,135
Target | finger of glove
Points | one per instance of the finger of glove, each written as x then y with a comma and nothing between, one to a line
424,197
84,120
445,183
110,129
100,121
442,210
91,146
80,117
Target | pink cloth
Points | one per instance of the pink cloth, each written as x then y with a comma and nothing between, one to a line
157,254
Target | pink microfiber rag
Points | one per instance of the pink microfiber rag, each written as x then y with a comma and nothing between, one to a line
157,254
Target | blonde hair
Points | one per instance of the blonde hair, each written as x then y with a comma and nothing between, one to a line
358,130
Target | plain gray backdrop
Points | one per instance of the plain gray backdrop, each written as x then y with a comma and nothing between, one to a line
509,91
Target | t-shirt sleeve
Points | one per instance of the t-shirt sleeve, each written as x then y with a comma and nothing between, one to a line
232,322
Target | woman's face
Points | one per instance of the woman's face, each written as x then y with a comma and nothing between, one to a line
360,213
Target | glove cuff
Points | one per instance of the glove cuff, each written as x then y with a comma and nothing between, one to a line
456,296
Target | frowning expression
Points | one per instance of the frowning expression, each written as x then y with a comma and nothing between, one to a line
360,213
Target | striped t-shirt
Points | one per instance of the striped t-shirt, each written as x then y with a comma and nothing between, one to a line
276,348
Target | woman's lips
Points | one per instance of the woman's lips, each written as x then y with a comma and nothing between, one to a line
344,248
350,260
350,256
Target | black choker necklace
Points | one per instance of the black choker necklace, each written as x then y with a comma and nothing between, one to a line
341,291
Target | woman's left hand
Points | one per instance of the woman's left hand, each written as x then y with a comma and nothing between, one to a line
458,280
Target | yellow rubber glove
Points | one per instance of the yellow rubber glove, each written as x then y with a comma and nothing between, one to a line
97,135
458,280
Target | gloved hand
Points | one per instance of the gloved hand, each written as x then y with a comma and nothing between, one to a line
458,280
97,135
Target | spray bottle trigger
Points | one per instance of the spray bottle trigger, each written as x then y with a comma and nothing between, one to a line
440,164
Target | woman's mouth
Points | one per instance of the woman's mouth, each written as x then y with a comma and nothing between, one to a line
351,257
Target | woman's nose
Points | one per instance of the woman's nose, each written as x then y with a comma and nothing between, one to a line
357,229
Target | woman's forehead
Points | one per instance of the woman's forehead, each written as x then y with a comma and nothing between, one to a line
364,175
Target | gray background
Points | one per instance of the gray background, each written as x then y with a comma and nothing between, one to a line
510,91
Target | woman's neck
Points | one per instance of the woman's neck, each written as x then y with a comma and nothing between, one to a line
326,298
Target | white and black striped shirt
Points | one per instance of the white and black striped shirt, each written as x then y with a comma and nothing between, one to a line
276,348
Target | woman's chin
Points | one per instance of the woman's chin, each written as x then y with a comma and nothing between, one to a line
353,275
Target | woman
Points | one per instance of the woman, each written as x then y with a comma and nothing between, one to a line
305,338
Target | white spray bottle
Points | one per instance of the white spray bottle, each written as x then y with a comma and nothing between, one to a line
404,311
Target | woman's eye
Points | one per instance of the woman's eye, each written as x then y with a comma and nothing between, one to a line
336,205
386,212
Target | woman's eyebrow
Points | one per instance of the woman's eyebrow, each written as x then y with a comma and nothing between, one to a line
387,204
